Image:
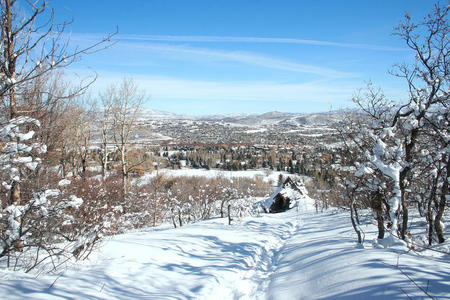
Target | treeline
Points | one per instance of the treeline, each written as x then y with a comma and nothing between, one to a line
316,163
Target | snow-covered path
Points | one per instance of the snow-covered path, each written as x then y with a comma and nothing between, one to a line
322,262
206,260
293,255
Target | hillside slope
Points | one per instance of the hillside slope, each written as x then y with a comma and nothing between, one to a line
299,254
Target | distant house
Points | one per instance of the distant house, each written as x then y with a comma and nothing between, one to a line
283,198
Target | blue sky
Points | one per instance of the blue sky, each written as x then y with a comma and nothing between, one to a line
208,57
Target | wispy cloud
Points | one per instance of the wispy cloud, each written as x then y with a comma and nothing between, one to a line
231,39
162,88
133,53
181,52
133,56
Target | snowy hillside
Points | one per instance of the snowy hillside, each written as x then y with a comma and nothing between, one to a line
299,254
153,114
274,117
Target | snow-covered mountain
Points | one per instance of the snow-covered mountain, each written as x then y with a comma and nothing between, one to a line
153,114
274,117
224,116
281,118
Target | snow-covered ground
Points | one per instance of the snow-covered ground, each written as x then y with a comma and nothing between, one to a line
299,254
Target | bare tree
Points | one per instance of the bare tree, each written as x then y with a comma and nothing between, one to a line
428,106
32,46
107,100
403,145
80,132
126,102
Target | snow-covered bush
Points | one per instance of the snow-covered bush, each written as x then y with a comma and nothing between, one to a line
34,211
102,207
183,200
19,154
35,221
38,223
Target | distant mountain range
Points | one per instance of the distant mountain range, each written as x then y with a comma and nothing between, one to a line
153,114
273,117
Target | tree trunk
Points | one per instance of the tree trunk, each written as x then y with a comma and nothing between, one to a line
404,204
356,214
429,216
180,219
124,172
11,58
173,222
221,208
83,165
155,211
409,147
442,204
378,207
104,163
420,208
15,197
124,184
430,223
404,228
352,217
104,151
